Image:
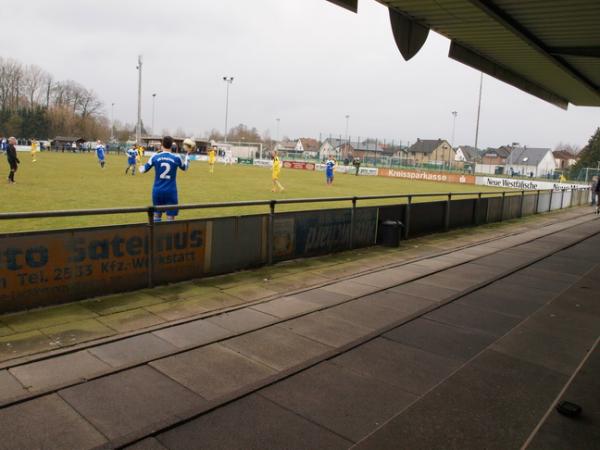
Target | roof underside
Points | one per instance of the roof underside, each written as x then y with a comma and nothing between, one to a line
550,49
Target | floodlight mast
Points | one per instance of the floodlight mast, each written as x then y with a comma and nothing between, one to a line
153,102
138,128
228,81
454,114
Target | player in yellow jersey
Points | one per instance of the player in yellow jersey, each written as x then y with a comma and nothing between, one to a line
34,150
212,156
276,172
140,152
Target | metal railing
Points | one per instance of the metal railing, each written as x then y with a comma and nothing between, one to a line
150,210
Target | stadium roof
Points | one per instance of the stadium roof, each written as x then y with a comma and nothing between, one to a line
550,49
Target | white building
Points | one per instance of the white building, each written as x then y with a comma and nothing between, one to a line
526,161
466,153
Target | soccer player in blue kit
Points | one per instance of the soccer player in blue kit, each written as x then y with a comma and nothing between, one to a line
329,169
100,153
165,166
132,155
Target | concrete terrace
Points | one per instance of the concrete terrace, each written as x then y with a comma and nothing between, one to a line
459,340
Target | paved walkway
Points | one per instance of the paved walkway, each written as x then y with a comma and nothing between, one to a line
468,349
111,317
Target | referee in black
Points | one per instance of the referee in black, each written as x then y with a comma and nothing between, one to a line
13,161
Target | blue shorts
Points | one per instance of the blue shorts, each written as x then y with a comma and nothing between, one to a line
329,177
160,198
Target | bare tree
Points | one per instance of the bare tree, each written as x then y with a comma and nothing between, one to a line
48,82
33,84
11,84
90,105
569,148
215,135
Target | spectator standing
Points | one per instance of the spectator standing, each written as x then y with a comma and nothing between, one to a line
13,160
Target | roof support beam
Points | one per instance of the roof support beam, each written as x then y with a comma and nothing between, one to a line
588,52
489,8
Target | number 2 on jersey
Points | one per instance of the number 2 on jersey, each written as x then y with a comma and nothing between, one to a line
165,175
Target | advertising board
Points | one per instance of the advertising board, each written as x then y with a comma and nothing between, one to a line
301,165
40,269
527,184
263,162
421,175
319,232
365,171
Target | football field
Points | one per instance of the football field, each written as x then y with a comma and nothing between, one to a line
60,181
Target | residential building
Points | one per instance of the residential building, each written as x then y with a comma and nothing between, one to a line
529,161
309,147
496,156
289,149
466,153
330,146
432,151
493,160
341,149
563,159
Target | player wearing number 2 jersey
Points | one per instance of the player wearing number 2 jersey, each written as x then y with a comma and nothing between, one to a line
165,166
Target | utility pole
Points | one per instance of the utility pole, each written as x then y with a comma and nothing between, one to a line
347,126
138,128
112,121
478,111
228,81
153,101
454,113
347,135
277,135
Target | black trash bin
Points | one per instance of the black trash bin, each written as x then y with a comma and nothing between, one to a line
391,231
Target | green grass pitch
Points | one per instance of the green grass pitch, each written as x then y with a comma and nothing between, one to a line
76,181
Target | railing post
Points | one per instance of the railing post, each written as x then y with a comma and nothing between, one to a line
476,209
352,219
551,194
562,199
447,218
522,203
407,217
150,246
537,202
270,234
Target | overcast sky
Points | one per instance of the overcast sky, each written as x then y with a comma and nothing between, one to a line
307,62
